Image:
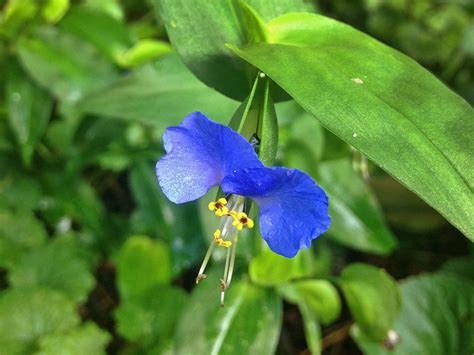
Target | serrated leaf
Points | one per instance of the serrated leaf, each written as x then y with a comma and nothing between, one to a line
142,264
437,317
206,328
57,266
29,313
373,298
86,339
19,192
381,102
18,234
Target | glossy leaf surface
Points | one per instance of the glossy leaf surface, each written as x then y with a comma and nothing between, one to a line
200,29
381,102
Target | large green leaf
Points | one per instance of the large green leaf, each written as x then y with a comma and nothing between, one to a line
160,94
437,317
29,110
381,102
28,314
199,30
206,328
356,219
373,298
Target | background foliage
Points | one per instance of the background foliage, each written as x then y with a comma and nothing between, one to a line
94,259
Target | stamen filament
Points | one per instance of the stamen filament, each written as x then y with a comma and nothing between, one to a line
201,275
232,262
224,284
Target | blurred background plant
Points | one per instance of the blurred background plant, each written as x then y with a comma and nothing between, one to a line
94,259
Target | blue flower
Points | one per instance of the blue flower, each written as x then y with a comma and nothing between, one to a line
200,154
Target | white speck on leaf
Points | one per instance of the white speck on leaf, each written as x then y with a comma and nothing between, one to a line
262,75
357,80
354,135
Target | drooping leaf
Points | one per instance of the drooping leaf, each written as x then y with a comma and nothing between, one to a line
58,266
356,219
26,314
381,102
142,264
206,328
86,339
29,110
199,30
437,317
373,298
161,94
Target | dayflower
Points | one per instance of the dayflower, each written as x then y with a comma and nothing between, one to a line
200,154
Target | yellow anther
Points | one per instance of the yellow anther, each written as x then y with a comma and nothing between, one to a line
219,207
241,219
219,241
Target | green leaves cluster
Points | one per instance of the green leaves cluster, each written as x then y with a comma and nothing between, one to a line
90,87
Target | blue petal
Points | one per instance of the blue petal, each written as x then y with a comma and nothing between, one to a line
200,153
293,208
